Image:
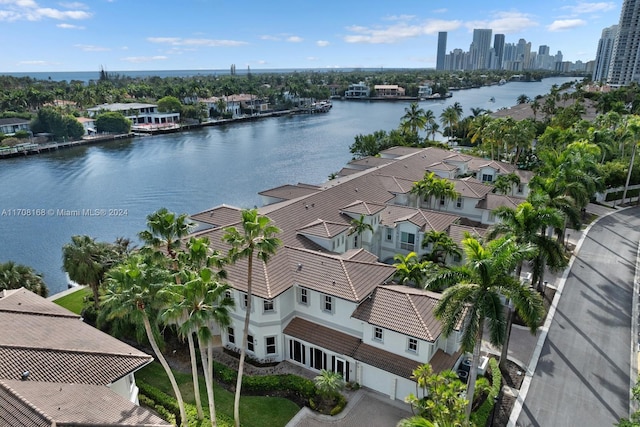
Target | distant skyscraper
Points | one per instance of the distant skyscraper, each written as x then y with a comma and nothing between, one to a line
543,50
624,67
604,53
479,49
498,48
442,50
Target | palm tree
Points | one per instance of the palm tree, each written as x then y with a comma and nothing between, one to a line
194,306
16,276
359,226
442,246
443,190
257,238
409,270
450,117
132,294
86,262
633,128
328,383
165,230
523,99
527,226
414,119
432,187
474,294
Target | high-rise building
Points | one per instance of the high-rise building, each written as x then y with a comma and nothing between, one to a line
604,53
498,48
442,50
624,67
479,50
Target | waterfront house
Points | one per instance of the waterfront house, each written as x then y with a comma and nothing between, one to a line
327,298
424,91
57,370
142,116
388,91
10,126
357,91
89,125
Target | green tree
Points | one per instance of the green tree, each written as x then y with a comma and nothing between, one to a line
132,294
169,104
440,400
165,231
113,122
442,246
409,270
358,227
450,117
328,383
414,119
16,276
257,238
87,261
474,293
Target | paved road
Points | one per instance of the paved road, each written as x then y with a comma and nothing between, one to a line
583,374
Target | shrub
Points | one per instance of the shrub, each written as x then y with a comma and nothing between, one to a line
342,402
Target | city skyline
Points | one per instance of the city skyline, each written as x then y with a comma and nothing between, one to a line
42,35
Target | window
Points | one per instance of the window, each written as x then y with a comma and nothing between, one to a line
389,234
317,359
443,200
492,217
457,258
377,333
407,241
355,241
250,344
231,337
520,188
487,177
245,300
267,305
270,345
228,294
303,296
412,345
459,202
328,304
297,352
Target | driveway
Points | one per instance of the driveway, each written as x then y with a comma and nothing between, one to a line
365,407
583,373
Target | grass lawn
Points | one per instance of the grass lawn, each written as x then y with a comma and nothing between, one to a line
74,301
255,411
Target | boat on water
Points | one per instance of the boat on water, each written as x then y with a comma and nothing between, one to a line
492,99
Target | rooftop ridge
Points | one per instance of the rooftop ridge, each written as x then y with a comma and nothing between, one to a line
348,277
25,401
74,351
420,319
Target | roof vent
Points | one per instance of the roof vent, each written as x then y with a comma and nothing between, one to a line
24,376
299,267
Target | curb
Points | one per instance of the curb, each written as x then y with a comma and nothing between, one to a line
531,367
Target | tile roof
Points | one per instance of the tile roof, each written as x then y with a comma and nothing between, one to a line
412,311
348,345
369,162
55,345
288,192
349,279
475,190
495,200
29,403
219,216
324,229
456,232
399,151
363,208
426,220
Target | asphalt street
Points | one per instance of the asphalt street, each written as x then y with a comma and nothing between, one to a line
583,375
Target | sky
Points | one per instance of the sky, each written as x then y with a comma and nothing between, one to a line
131,35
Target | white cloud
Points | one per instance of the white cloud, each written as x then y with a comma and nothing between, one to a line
70,27
322,43
398,32
581,7
139,59
312,58
177,41
294,39
505,23
268,37
566,24
442,10
91,48
29,10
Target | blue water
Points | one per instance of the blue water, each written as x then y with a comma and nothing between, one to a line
189,172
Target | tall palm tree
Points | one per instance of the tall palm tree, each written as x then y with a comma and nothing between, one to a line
414,118
450,116
359,226
258,237
474,294
410,271
194,306
132,294
527,225
16,276
86,262
165,230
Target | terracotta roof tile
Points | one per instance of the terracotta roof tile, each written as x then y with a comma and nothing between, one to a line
412,311
324,229
493,200
456,232
324,337
476,190
288,192
385,360
45,404
219,216
427,220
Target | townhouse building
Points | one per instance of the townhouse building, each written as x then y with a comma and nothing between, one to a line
327,299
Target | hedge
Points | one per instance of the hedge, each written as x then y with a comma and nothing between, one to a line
481,416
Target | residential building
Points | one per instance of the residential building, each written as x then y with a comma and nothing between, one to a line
498,48
327,299
442,50
624,67
388,91
57,370
357,91
10,126
142,116
604,54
